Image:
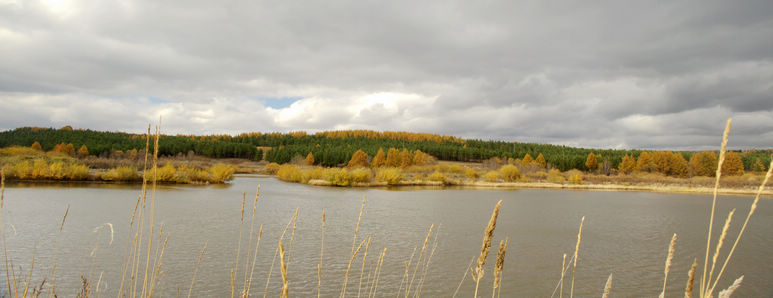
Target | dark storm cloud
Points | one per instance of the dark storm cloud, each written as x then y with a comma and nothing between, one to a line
596,74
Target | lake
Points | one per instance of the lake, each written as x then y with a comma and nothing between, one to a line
625,233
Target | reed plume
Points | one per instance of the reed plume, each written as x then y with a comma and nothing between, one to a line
720,242
283,269
418,261
607,287
500,265
671,248
722,150
726,293
488,234
690,279
576,250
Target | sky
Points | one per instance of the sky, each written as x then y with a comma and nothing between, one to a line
598,74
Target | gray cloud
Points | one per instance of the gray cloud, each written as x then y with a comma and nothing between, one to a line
603,74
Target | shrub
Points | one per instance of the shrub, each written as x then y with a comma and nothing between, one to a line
510,173
438,176
289,173
271,168
554,176
185,174
391,176
220,172
122,173
164,174
491,176
341,177
361,175
575,177
470,173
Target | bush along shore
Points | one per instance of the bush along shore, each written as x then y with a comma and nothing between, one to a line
31,164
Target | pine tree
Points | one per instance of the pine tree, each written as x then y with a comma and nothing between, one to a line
628,164
83,152
733,165
540,161
591,162
359,160
379,160
37,146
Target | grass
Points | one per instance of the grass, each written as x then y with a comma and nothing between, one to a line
142,246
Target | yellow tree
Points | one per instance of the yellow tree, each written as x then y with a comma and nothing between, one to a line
68,149
540,161
527,159
733,165
758,166
83,152
591,162
37,146
393,158
646,162
406,158
704,164
627,165
359,160
678,165
661,159
310,159
379,160
421,158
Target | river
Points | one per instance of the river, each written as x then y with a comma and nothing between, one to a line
625,233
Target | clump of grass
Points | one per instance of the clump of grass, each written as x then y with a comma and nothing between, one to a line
289,173
271,168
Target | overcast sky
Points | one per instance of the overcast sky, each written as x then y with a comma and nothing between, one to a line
602,74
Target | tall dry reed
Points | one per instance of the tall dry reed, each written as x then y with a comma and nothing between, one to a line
576,250
488,234
722,150
669,258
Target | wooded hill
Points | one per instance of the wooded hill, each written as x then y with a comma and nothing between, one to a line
330,148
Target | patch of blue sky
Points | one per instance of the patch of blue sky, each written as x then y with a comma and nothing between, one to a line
278,102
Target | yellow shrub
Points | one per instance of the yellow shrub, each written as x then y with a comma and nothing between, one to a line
77,172
122,173
20,151
575,177
391,176
164,174
361,175
271,168
438,176
491,176
510,173
22,170
40,169
470,173
185,174
341,177
220,173
289,173
554,176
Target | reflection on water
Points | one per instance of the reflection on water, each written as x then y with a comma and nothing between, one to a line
625,233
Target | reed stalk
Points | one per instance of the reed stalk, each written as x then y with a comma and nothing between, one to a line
426,266
249,243
561,283
688,289
720,242
607,287
748,216
418,261
321,253
276,253
576,250
362,269
500,265
348,267
29,278
669,258
151,226
404,280
377,274
488,234
292,234
254,259
235,270
283,269
196,270
704,286
357,227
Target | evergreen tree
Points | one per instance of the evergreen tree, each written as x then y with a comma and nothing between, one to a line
379,160
591,162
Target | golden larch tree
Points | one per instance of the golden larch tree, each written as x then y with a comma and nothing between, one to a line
379,160
406,158
733,165
646,162
527,159
662,160
37,146
591,162
540,161
310,159
359,160
627,165
83,152
68,149
393,158
678,165
758,166
704,164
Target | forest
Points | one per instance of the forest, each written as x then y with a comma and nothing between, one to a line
336,148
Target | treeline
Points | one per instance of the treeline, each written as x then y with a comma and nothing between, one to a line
335,148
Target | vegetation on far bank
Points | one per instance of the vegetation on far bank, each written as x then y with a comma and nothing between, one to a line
64,164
